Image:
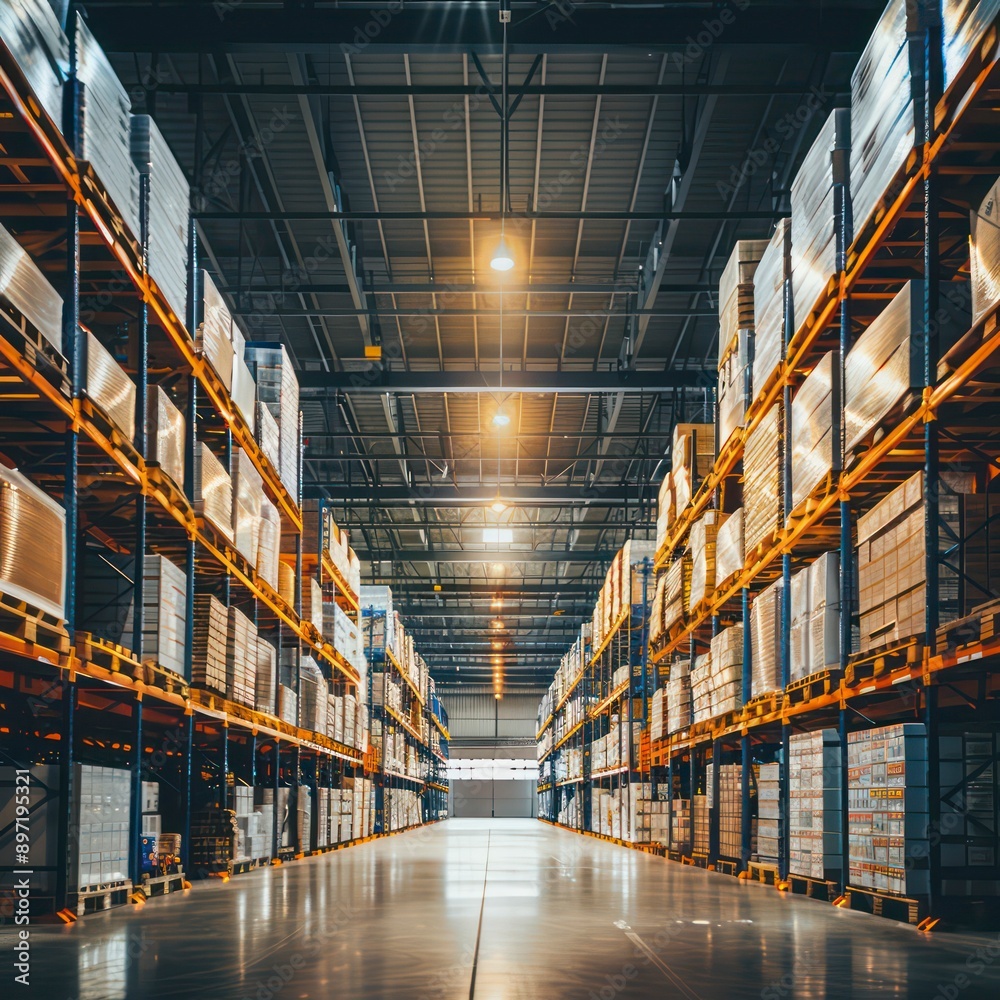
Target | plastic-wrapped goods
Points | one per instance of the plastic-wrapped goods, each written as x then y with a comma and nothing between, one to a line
244,390
824,612
965,23
278,389
214,336
26,288
985,253
313,695
658,715
268,436
678,591
165,429
288,705
884,364
679,696
815,821
769,812
701,689
765,639
248,496
666,509
106,126
887,794
164,620
736,298
692,456
637,556
169,208
32,544
211,629
800,645
656,609
735,389
703,535
815,429
109,386
814,212
241,658
312,602
769,304
265,676
269,544
882,113
213,491
34,37
729,548
102,800
727,670
762,480
730,810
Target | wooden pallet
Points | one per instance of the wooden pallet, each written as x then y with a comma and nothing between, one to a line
763,704
94,898
109,656
815,685
873,663
981,626
802,885
28,622
94,191
883,904
759,871
727,866
163,885
699,859
34,346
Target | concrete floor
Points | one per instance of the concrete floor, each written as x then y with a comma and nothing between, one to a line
496,910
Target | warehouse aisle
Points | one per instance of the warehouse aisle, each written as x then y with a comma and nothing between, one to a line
496,910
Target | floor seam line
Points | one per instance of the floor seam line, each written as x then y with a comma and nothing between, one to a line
482,908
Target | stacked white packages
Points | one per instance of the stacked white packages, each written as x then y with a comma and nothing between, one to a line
214,335
769,304
106,126
765,639
882,113
986,254
244,388
248,498
278,389
814,210
729,549
677,591
824,612
815,429
33,534
265,676
109,386
32,33
769,812
799,641
726,682
763,480
658,715
313,696
735,386
169,210
884,364
165,441
736,291
730,810
164,620
965,23
269,544
25,287
241,658
679,696
213,491
268,435
815,821
102,799
702,547
211,636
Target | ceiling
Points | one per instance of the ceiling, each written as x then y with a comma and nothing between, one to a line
346,162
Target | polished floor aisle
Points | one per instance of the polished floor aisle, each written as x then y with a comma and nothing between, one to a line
497,910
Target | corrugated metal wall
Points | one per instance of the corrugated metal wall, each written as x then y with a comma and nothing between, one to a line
482,716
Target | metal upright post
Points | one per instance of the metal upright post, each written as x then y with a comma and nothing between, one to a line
276,785
715,814
135,812
224,782
746,826
191,444
188,791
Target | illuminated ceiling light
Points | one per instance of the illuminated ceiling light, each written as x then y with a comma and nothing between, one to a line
498,506
497,644
496,623
498,569
503,259
501,419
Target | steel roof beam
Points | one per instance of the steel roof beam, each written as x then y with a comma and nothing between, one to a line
467,288
487,215
500,555
476,496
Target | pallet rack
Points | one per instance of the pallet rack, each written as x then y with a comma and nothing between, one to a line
72,696
917,231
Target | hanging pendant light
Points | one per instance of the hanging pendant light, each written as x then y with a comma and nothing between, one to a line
503,259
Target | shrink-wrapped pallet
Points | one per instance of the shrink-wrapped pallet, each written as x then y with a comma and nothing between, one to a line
657,609
882,113
164,620
208,659
730,810
703,559
106,125
288,705
985,254
814,213
269,544
726,678
965,22
32,544
658,715
313,696
165,434
25,287
769,305
692,455
213,491
800,640
312,602
278,389
884,364
109,386
244,389
735,386
729,548
824,612
762,481
34,37
101,825
679,696
736,292
765,639
268,436
769,812
815,820
241,658
265,676
169,209
248,497
815,429
214,335
678,591
665,509
638,581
